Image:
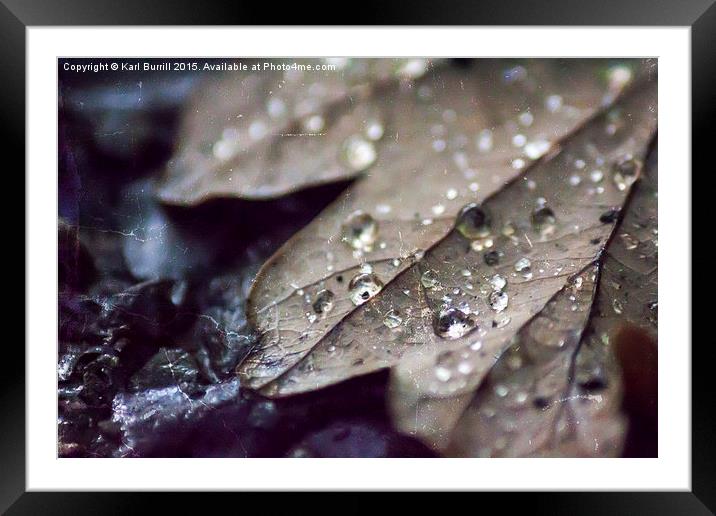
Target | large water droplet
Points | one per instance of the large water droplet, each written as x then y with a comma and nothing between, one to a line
359,153
544,221
473,223
364,286
323,303
429,279
452,323
498,300
360,230
626,171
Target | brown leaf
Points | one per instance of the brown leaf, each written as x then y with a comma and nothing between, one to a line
263,134
271,133
565,401
441,335
301,349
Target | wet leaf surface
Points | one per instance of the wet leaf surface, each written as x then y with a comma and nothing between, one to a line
413,197
443,321
543,228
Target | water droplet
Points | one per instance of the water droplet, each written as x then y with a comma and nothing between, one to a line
501,320
553,103
443,374
617,306
473,222
374,130
501,390
619,76
536,149
491,258
323,302
481,244
276,107
515,74
544,221
360,230
524,267
363,287
626,171
392,319
451,194
526,118
630,243
438,209
429,279
358,153
518,163
508,229
484,141
498,282
596,176
498,300
413,68
452,323
464,368
519,140
313,124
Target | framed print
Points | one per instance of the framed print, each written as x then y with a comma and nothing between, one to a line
419,257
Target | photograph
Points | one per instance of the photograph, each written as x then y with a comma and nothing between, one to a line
357,257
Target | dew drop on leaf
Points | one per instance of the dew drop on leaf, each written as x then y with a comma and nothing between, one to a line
498,300
617,306
498,282
374,130
536,148
544,221
626,171
452,323
363,287
501,320
429,279
323,302
491,258
358,153
392,319
473,222
360,230
524,267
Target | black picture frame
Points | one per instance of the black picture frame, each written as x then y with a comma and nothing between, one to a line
17,15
